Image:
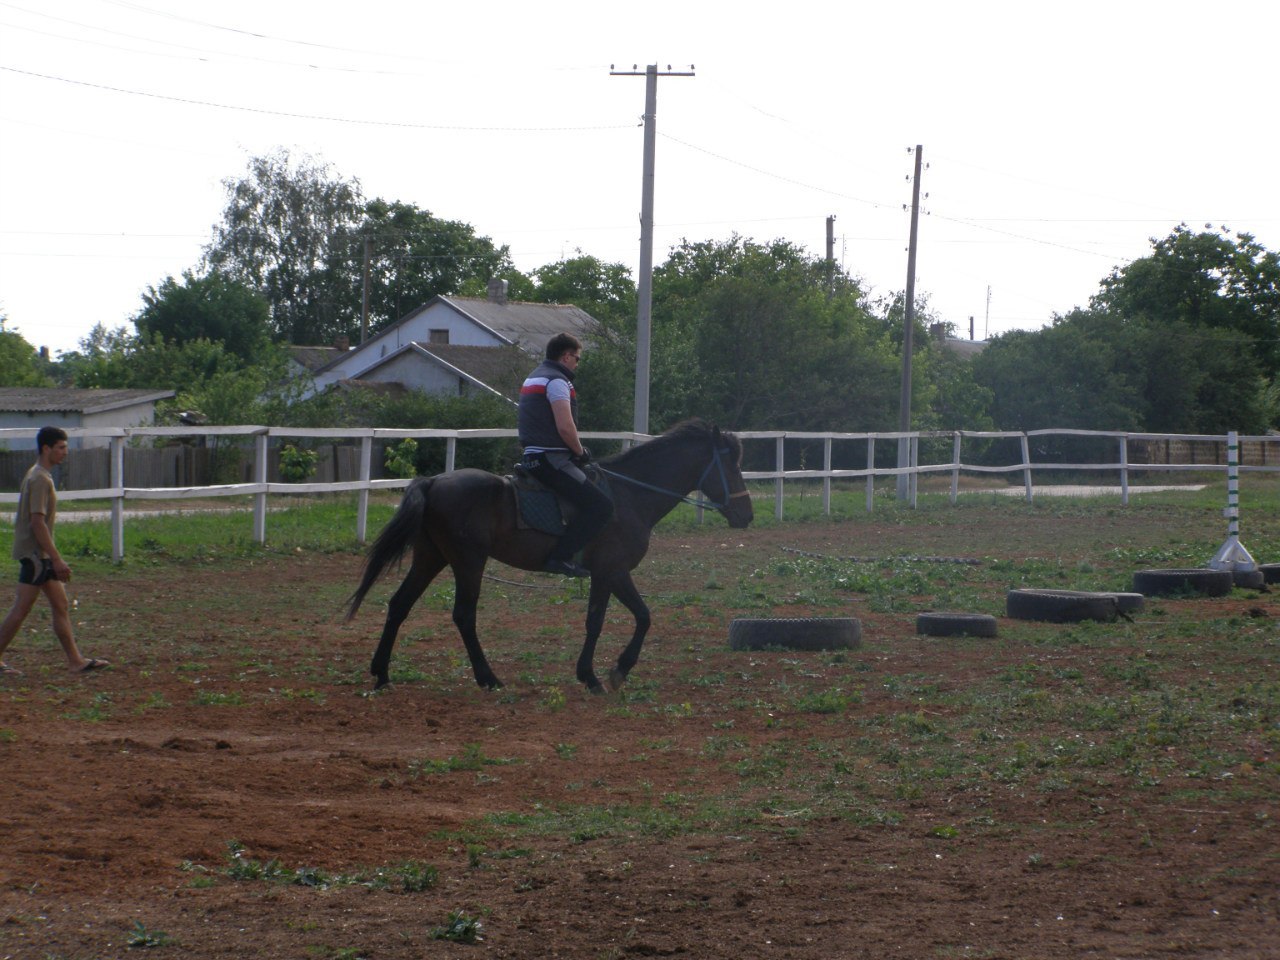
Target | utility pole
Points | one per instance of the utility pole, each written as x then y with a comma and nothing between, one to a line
831,255
908,325
644,283
364,294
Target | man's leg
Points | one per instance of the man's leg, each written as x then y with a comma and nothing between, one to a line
57,596
594,511
22,604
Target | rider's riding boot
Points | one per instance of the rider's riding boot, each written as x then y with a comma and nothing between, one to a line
566,568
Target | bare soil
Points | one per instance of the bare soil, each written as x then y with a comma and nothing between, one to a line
237,709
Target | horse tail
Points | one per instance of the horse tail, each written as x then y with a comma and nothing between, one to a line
396,537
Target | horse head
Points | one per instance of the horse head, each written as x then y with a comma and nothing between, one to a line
722,481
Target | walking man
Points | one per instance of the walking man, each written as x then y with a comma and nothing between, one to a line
41,568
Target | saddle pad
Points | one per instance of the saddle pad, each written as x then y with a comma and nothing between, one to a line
538,510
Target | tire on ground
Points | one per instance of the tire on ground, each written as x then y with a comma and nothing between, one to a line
1249,579
1061,606
1270,572
1200,580
798,633
1129,602
956,625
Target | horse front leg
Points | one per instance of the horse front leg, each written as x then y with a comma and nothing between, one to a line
423,570
467,598
625,590
597,603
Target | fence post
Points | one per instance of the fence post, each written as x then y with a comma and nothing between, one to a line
117,500
826,481
450,454
914,456
260,476
366,471
871,471
779,464
1026,465
955,466
1124,471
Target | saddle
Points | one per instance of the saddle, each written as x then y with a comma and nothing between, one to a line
538,507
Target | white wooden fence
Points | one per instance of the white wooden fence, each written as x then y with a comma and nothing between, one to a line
260,488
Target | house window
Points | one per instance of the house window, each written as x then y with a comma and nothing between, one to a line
438,336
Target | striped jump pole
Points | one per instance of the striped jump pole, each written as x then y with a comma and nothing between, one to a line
1232,555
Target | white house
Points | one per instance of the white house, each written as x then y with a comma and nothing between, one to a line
30,408
458,345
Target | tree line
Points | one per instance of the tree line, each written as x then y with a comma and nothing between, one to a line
755,335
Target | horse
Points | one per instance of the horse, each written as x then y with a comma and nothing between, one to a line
461,519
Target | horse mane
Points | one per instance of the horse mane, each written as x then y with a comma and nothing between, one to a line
694,428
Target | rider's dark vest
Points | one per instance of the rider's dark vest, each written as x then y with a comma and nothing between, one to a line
535,422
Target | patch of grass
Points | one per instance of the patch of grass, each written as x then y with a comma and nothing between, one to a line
141,937
458,927
214,698
410,876
472,758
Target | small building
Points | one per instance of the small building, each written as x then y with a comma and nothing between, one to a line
30,408
457,345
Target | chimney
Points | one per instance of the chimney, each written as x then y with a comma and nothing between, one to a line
44,354
342,343
938,331
497,291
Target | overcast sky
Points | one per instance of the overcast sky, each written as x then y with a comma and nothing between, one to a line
1059,138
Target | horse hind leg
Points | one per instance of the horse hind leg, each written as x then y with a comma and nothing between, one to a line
427,563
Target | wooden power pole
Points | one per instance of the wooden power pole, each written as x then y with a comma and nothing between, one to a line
908,329
644,283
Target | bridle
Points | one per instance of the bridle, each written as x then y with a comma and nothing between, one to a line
718,456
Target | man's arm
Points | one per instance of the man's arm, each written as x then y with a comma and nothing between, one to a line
44,537
566,427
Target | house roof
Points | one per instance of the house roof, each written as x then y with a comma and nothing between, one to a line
60,400
313,358
500,368
527,325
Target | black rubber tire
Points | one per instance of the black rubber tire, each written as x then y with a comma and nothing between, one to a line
1249,579
799,633
1199,580
1129,602
956,625
1061,606
1270,572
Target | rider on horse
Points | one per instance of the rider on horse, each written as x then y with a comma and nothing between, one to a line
547,422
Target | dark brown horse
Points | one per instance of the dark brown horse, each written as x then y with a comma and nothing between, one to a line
461,519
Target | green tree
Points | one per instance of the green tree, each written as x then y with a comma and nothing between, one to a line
287,231
414,256
764,344
1205,282
20,364
213,307
1060,376
604,290
118,359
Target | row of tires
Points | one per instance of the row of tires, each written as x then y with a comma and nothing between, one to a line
1053,606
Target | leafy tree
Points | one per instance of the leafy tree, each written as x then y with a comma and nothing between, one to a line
20,364
1205,282
763,344
213,307
1059,376
118,359
414,256
604,290
287,232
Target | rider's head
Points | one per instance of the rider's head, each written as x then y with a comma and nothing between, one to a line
561,344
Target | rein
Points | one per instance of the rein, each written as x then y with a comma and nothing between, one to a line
717,461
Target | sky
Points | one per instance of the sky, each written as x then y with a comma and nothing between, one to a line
1058,139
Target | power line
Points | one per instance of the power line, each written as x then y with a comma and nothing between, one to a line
400,124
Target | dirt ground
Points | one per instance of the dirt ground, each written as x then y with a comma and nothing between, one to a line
237,710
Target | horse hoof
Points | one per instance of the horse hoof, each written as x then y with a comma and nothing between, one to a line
616,679
598,688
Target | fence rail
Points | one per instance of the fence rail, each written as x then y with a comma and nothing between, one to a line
1257,454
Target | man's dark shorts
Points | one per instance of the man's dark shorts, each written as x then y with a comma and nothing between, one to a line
36,576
